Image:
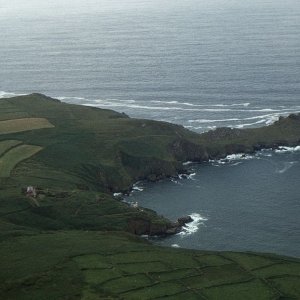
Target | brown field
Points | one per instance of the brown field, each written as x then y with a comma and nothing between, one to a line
25,124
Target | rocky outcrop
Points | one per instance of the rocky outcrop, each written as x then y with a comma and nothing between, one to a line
141,226
184,150
150,158
149,168
184,220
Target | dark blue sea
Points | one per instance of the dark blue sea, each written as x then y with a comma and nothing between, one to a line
198,63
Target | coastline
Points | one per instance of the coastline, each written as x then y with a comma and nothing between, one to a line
75,234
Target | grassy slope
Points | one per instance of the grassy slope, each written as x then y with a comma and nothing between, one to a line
93,265
46,249
107,151
7,145
15,155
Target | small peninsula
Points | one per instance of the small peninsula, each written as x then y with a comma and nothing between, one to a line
72,239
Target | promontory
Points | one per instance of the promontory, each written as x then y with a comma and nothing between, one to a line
65,236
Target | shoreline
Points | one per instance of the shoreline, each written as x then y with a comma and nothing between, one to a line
151,151
222,160
278,155
76,232
268,117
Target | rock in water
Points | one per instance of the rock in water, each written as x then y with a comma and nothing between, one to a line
182,221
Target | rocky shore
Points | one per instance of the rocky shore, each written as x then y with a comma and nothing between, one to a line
64,235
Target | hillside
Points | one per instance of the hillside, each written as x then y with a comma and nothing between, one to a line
74,240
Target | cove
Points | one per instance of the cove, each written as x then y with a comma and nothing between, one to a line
242,205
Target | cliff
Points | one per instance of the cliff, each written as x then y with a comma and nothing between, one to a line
107,151
73,240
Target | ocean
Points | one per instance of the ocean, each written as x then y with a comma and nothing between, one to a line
201,64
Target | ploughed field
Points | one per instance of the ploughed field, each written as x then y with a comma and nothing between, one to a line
76,241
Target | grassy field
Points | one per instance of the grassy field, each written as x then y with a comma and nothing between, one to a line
7,145
9,111
99,265
14,156
75,241
25,124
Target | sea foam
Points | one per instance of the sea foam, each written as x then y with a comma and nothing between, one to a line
234,157
187,176
193,226
137,188
283,149
287,166
9,95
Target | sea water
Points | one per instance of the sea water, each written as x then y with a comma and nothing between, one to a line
198,63
243,203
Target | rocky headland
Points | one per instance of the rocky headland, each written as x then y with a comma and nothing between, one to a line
59,167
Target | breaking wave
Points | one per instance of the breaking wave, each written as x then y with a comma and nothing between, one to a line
187,176
137,188
287,166
236,159
284,149
9,95
194,116
268,119
233,159
201,105
193,226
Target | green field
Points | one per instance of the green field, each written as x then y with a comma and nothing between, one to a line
76,241
94,265
24,124
6,145
9,111
14,156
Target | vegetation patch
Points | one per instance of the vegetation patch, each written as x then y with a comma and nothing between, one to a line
251,261
289,286
10,111
80,261
24,124
146,266
92,261
212,276
175,274
6,145
279,269
211,260
190,295
124,284
251,290
10,159
159,290
95,276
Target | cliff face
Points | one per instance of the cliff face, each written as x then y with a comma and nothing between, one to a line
88,150
211,145
107,151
